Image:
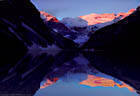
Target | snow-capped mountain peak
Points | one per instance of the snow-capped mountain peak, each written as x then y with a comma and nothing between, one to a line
80,28
93,18
48,17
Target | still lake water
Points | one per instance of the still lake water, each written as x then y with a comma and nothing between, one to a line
72,73
78,77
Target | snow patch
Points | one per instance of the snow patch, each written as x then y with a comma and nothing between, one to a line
74,22
101,25
55,30
42,17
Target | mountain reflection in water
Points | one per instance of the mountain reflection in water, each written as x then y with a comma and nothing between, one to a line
78,77
73,73
92,81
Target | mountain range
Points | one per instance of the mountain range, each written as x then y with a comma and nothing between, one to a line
79,29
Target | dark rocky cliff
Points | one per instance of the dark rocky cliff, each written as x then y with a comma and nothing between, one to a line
22,20
20,28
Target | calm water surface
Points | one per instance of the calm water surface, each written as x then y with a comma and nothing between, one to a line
77,77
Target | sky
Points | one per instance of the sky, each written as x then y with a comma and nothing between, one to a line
74,8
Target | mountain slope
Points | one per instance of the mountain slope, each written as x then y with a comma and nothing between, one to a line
30,27
22,31
123,34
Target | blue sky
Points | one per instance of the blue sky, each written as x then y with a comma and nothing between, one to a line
73,8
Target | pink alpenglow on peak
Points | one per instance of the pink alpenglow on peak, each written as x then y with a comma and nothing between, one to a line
131,10
48,17
49,82
126,14
93,19
95,81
